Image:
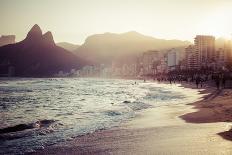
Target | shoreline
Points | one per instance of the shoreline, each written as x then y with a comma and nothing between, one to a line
215,107
160,130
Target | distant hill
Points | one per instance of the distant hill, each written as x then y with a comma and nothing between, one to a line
103,48
68,46
7,39
37,55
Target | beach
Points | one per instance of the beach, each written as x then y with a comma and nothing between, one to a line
197,128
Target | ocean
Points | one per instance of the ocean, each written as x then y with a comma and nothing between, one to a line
38,112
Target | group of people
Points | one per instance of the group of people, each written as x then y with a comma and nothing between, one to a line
199,77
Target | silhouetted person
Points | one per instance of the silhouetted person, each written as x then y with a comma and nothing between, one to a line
223,81
197,81
217,81
201,81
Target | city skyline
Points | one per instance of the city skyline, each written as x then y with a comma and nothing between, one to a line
74,21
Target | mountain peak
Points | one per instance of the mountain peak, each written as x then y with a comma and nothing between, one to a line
132,32
35,32
48,38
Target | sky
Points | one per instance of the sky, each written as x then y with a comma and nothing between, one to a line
74,20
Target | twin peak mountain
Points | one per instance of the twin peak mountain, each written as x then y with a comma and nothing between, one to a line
35,35
37,56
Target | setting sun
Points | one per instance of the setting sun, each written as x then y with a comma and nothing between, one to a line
218,23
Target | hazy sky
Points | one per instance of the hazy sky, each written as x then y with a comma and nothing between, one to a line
74,20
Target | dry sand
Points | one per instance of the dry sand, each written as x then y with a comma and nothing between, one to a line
165,130
216,107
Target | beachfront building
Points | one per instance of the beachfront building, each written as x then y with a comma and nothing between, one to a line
172,62
173,59
129,70
223,55
202,53
124,69
162,67
191,58
220,56
228,51
88,71
150,58
205,50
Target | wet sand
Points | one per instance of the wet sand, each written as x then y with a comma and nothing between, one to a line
177,129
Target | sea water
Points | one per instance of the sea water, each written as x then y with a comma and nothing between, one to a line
37,112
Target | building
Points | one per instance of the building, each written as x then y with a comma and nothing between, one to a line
5,40
202,53
149,59
191,57
173,59
162,67
205,49
223,55
228,51
220,56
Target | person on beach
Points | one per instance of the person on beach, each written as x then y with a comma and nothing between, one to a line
217,81
197,80
201,82
170,80
223,81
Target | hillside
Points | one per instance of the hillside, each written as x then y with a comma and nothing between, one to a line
37,55
68,46
103,48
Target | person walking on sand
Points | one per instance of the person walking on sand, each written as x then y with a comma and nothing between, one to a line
197,81
170,80
223,81
217,81
201,82
202,78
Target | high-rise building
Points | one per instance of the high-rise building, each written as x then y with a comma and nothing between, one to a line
228,51
174,57
148,60
192,57
205,49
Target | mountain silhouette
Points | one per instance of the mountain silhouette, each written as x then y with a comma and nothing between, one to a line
104,48
37,55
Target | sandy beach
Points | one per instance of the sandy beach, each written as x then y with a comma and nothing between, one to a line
199,128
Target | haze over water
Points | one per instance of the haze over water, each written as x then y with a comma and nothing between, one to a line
55,110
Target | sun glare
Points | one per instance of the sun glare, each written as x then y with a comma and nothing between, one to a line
218,24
